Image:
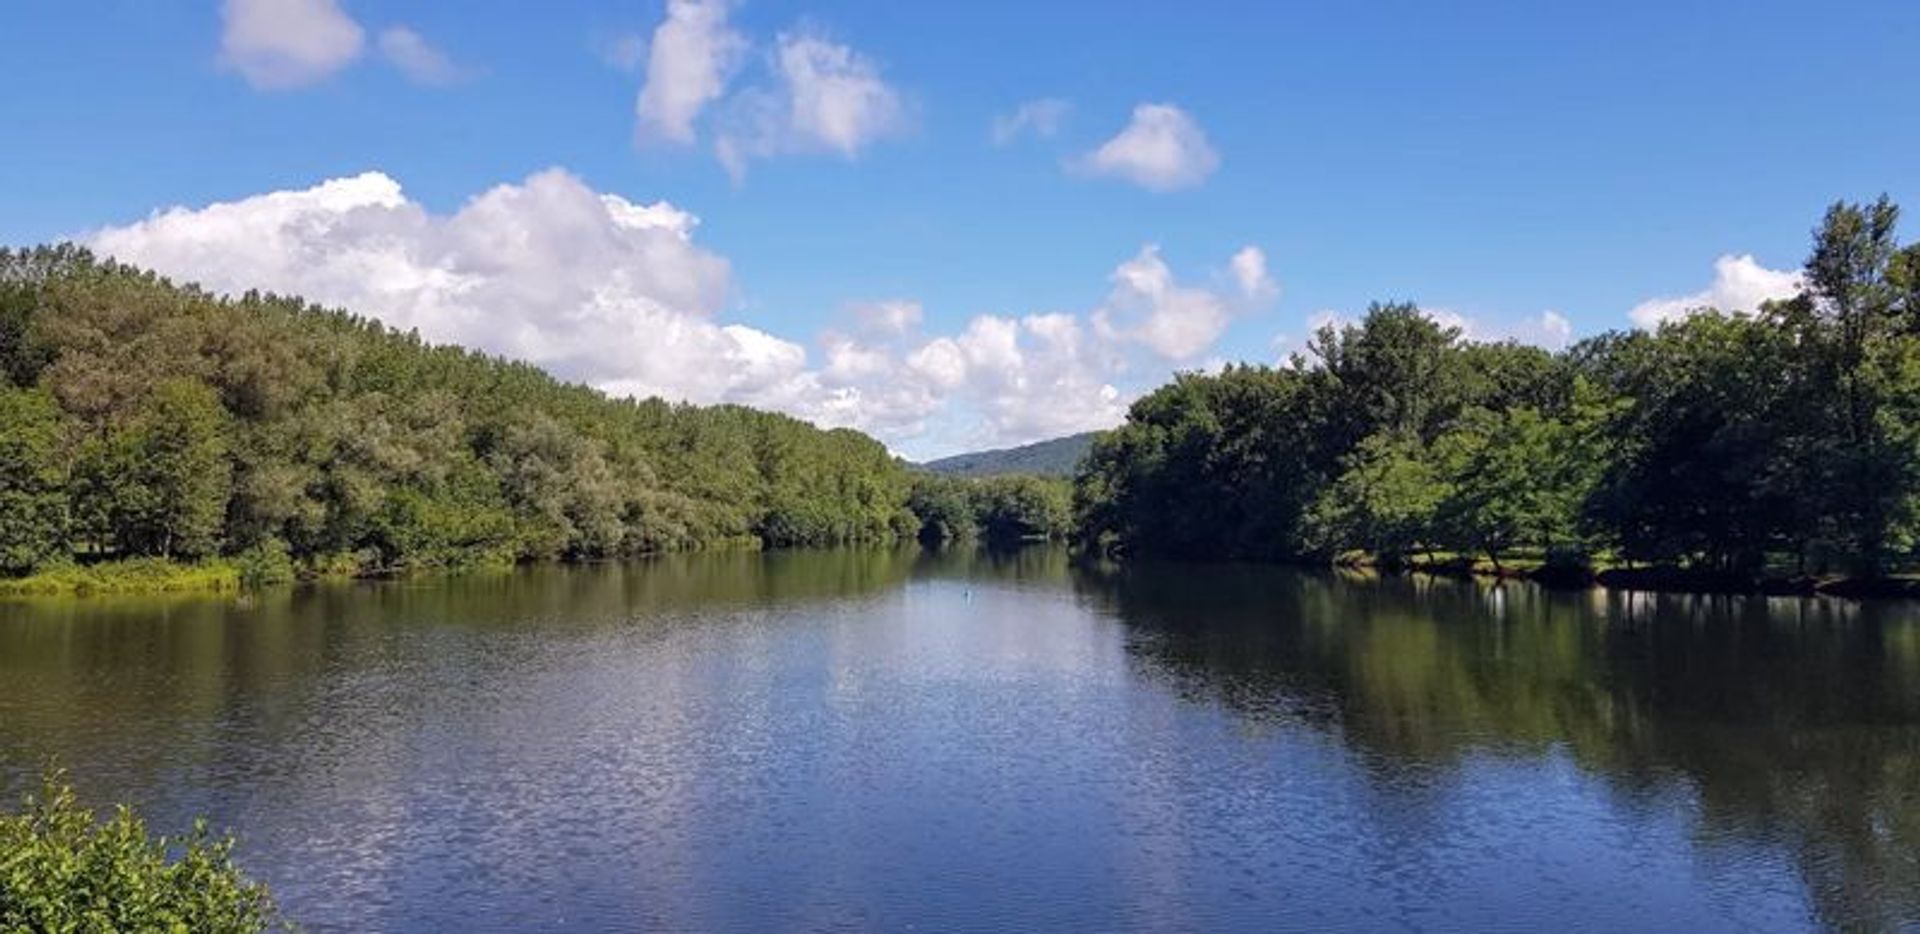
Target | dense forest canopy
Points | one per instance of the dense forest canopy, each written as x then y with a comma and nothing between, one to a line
1788,438
143,418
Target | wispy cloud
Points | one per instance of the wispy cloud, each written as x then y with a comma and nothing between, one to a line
279,45
693,55
1041,118
417,59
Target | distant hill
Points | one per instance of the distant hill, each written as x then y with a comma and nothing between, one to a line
1055,458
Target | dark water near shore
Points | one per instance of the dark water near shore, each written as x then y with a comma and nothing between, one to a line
894,740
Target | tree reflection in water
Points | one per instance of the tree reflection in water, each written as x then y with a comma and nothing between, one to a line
1792,721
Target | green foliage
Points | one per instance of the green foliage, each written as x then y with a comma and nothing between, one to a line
1728,442
1384,501
167,474
1213,465
1515,481
945,507
1020,507
1006,508
266,563
61,869
33,481
278,434
131,576
1706,471
1397,371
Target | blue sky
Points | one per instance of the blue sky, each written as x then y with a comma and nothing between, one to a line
1494,161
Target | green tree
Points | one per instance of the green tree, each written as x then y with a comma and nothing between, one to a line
1722,441
1020,507
354,444
944,506
1221,465
1516,478
33,481
1397,370
1860,283
173,476
1385,500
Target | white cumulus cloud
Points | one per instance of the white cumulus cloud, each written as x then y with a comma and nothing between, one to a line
825,97
279,44
1023,379
689,62
619,294
592,286
1740,286
1161,149
1147,306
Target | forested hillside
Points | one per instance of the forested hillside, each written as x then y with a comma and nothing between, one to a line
143,418
1787,440
1056,457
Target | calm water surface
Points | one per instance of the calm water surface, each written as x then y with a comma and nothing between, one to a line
898,740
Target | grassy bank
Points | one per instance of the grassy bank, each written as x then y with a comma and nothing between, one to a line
259,567
157,575
136,576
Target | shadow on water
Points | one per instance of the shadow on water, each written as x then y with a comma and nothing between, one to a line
1793,722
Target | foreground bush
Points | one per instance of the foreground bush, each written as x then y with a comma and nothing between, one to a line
63,870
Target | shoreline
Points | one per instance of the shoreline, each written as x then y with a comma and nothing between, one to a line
140,577
156,576
1666,580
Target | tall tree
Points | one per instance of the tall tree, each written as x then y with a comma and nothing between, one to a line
1397,371
33,481
171,475
1385,500
1858,278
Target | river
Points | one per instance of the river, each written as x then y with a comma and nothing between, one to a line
964,740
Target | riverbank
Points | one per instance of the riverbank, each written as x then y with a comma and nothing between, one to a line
1653,579
265,568
139,576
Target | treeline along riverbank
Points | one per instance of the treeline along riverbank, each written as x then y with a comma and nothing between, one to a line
154,436
1773,450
